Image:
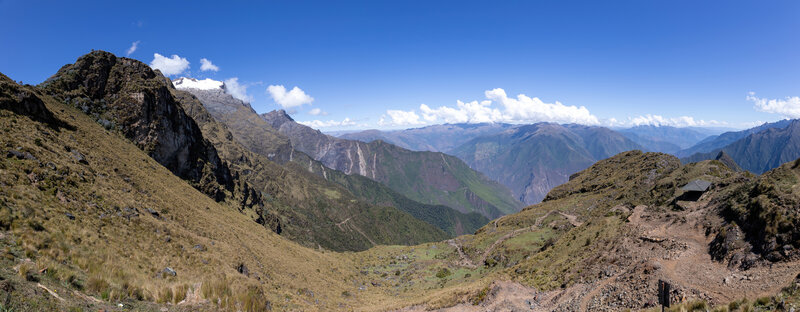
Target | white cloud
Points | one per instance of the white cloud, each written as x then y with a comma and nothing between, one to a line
788,107
400,118
327,124
293,98
472,112
169,65
237,90
206,65
658,120
526,109
317,111
134,46
522,109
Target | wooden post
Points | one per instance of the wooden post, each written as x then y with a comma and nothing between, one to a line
663,294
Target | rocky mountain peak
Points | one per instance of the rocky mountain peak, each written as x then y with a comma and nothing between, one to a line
728,161
127,95
277,117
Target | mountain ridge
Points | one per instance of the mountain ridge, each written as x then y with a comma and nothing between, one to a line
427,177
249,129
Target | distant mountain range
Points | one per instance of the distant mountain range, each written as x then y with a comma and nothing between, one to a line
437,138
427,177
533,159
758,149
666,139
715,142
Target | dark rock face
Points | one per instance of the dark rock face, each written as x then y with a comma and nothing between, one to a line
129,96
23,102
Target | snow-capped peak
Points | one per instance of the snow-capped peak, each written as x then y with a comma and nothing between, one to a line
191,83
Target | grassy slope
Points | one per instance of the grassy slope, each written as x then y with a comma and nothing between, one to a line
103,252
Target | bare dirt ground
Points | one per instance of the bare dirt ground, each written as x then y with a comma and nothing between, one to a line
660,245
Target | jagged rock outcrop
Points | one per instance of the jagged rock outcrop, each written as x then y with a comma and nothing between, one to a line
23,102
127,95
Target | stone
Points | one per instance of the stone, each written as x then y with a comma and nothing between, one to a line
242,269
19,155
79,157
169,271
152,212
69,216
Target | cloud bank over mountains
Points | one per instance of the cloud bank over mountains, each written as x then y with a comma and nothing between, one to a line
787,107
496,107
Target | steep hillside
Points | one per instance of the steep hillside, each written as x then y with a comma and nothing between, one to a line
126,95
90,221
426,177
435,138
713,143
761,151
143,105
248,127
533,159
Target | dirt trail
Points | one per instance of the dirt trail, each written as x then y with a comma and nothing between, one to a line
463,259
341,223
693,267
355,228
501,240
671,245
572,219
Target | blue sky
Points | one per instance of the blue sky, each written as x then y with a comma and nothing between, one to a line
376,62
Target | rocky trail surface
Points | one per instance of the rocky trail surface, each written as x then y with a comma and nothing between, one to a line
665,247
